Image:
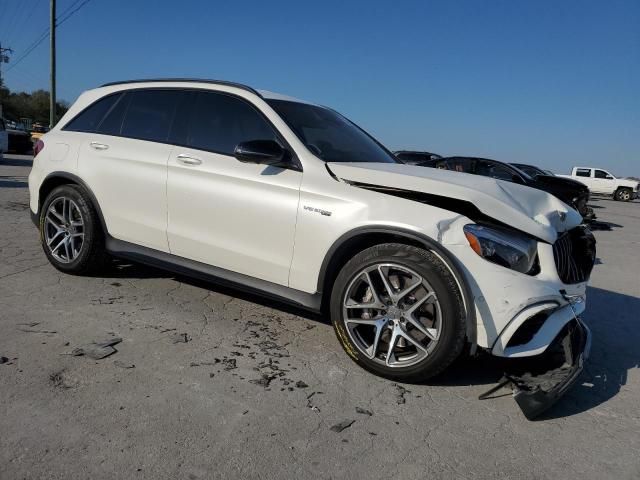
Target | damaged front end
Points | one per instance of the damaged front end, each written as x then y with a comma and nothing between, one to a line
538,382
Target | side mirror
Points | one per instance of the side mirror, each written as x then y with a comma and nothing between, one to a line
265,152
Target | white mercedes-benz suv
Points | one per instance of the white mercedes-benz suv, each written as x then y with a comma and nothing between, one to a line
290,199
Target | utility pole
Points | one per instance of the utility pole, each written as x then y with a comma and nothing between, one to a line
52,92
4,58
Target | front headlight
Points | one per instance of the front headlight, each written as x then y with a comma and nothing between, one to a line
504,247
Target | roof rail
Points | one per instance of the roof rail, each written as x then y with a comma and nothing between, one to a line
195,80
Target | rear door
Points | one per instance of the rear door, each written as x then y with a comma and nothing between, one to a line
124,161
584,175
222,212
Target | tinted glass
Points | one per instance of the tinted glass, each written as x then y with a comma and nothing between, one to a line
583,172
112,122
464,165
220,122
600,174
329,135
149,114
89,119
494,170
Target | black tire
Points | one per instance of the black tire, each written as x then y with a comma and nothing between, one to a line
623,194
453,329
92,255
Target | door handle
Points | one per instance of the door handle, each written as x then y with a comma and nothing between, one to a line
188,160
98,146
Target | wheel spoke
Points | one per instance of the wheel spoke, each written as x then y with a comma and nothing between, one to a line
58,245
53,212
67,248
397,296
407,336
431,297
375,303
392,344
56,235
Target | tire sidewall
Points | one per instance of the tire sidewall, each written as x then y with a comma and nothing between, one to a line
90,227
437,274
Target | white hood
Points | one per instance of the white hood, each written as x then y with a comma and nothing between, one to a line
527,209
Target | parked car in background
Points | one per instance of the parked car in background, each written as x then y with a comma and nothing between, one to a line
602,182
549,179
570,192
415,158
19,141
37,130
412,265
4,138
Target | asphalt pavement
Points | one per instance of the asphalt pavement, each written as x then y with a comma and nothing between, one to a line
207,382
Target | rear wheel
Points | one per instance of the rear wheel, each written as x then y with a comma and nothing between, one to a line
623,194
398,312
70,231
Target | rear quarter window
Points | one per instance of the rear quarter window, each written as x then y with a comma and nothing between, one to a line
89,119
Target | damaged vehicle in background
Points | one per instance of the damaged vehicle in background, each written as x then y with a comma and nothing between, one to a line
292,200
571,192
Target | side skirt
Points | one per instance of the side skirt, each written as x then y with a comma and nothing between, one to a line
208,273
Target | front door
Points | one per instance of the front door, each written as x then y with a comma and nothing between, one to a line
222,212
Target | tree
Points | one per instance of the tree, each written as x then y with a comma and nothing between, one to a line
34,105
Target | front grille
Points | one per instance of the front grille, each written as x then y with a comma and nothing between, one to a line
575,254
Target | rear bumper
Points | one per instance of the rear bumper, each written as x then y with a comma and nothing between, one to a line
553,373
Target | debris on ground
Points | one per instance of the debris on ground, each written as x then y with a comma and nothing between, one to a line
343,425
121,364
400,393
364,411
3,360
28,327
60,379
180,338
301,384
97,350
264,381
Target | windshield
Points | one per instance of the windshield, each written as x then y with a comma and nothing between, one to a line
329,135
529,169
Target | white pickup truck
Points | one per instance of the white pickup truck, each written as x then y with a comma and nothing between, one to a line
602,182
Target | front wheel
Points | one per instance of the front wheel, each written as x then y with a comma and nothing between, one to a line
398,312
623,194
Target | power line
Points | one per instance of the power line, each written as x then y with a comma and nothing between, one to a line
45,34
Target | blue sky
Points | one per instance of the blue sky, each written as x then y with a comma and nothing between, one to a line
554,83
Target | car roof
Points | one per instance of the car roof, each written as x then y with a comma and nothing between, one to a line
265,94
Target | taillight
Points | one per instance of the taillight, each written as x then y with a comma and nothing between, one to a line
38,148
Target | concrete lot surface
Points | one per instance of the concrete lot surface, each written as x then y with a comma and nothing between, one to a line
211,383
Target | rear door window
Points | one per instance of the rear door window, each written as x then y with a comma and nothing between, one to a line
149,114
219,122
89,119
583,172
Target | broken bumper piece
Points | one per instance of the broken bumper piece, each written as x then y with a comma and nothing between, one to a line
539,382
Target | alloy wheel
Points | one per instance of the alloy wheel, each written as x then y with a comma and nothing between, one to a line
392,315
64,229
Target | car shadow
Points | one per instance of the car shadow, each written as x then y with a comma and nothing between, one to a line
599,225
16,162
614,343
10,181
129,270
614,351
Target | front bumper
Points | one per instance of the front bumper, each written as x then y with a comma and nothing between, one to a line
540,381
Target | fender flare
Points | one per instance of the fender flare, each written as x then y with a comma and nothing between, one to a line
428,243
77,180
